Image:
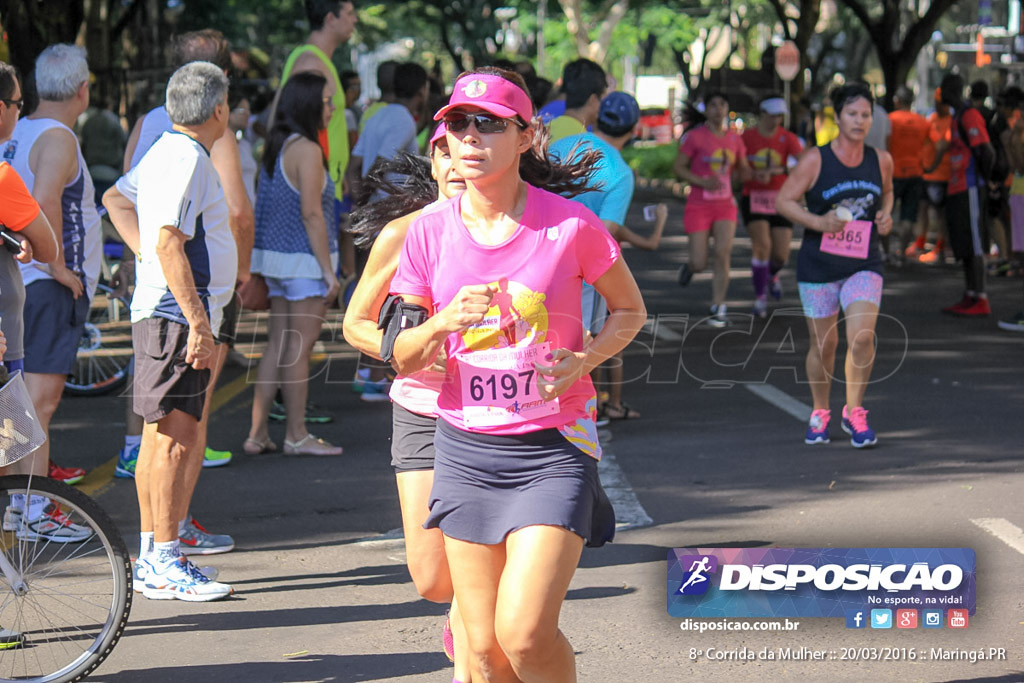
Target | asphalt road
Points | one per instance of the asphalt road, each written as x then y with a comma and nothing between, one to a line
717,459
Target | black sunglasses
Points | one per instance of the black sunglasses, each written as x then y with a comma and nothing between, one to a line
486,124
14,103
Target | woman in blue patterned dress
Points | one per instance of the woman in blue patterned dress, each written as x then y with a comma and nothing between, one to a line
298,256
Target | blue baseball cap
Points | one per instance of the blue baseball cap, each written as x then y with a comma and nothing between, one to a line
619,114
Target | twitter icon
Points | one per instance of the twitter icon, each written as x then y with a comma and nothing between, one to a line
881,618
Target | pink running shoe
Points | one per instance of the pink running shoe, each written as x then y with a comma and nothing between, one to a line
448,640
855,423
817,428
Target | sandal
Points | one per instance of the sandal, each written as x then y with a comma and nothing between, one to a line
256,447
620,412
310,445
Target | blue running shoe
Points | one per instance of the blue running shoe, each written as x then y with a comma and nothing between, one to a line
855,423
126,459
817,428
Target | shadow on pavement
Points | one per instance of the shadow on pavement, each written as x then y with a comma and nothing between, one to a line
322,668
297,616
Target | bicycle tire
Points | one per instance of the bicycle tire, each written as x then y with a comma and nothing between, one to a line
105,350
56,618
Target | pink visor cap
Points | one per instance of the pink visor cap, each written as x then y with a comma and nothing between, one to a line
493,94
439,133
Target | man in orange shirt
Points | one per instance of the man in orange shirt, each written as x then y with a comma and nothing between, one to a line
935,182
907,145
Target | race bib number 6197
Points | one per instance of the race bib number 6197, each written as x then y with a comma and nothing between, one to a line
500,386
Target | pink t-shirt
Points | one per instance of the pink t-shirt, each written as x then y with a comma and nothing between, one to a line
711,155
538,273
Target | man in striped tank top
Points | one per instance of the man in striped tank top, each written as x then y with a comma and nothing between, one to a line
45,152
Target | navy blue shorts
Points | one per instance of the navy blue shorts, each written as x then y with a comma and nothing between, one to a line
54,323
487,486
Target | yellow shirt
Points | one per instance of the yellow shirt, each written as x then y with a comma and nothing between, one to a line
564,126
368,114
829,129
337,130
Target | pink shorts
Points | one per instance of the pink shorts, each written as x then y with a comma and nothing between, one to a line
699,216
1017,221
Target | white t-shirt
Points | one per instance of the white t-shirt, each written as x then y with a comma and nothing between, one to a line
389,131
881,128
176,184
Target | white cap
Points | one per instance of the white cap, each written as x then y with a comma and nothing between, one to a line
776,106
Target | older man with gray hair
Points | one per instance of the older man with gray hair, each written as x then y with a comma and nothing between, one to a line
45,152
187,264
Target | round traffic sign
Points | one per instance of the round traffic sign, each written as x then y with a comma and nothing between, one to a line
787,60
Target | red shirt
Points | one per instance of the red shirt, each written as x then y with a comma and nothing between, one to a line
769,153
907,143
963,172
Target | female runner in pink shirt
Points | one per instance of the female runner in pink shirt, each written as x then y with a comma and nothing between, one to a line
515,491
708,155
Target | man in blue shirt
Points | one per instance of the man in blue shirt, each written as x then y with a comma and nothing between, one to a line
613,179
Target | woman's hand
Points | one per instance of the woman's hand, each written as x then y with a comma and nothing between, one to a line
468,308
830,222
883,221
711,182
333,288
566,367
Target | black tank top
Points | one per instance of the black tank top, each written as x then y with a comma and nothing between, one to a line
859,189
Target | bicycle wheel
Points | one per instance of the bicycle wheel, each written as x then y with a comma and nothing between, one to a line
105,349
64,602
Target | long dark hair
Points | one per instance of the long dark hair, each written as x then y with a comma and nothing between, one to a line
566,179
300,109
407,186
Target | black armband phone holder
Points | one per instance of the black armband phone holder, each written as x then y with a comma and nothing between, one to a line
395,316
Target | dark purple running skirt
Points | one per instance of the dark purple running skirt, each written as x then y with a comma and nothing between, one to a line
487,486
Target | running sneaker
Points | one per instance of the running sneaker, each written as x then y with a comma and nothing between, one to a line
196,540
855,423
10,639
180,580
775,286
969,306
1014,324
214,458
314,414
684,275
375,392
68,475
52,526
139,574
761,307
719,316
448,639
817,428
127,457
932,257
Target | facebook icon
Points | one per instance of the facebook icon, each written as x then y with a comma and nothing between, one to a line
855,618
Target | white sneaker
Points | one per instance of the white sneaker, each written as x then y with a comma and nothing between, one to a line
719,316
139,575
53,525
179,580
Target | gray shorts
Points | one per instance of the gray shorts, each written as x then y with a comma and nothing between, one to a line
163,381
412,440
54,323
